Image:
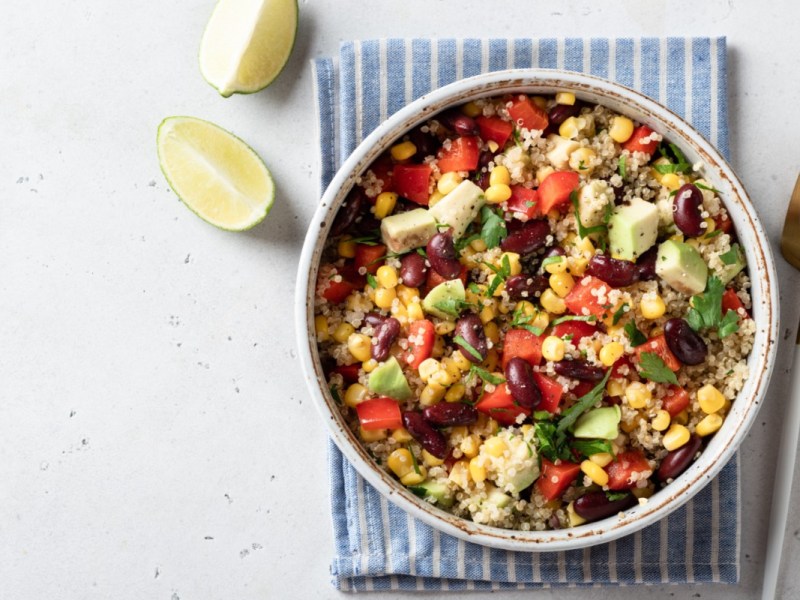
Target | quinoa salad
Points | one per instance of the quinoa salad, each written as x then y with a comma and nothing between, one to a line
533,311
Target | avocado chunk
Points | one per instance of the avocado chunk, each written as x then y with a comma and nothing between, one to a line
387,379
682,267
445,300
525,462
600,423
733,262
459,208
498,498
435,491
405,231
632,229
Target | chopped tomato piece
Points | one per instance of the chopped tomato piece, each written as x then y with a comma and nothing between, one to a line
589,296
658,346
577,329
435,279
494,129
555,190
723,223
524,203
675,400
462,155
382,169
627,469
556,478
731,301
624,369
583,388
379,413
523,344
412,182
636,142
421,337
551,393
336,291
526,114
500,405
348,372
369,257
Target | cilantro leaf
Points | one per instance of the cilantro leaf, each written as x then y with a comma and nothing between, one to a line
732,256
623,161
619,313
373,283
706,308
583,404
614,496
707,188
636,337
542,415
589,447
729,324
500,275
422,253
551,442
467,346
485,375
452,306
713,234
521,321
588,318
463,242
493,230
335,394
552,260
654,369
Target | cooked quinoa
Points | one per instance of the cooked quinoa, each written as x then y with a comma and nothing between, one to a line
533,311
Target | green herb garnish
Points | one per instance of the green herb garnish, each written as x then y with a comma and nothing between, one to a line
462,243
583,404
367,240
373,283
485,375
728,325
473,287
713,234
614,496
732,256
623,161
551,442
414,460
466,346
542,415
422,253
707,188
619,313
654,369
452,306
500,275
552,260
589,447
636,337
335,394
521,321
706,311
582,230
493,230
588,318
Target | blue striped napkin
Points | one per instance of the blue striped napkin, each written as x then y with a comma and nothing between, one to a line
380,547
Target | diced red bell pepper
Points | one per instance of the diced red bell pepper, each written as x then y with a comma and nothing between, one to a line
624,369
433,279
556,478
585,296
421,336
336,291
523,344
526,114
554,191
462,155
412,182
577,329
551,392
348,372
494,129
731,301
500,405
382,169
625,467
658,346
725,225
369,257
636,142
524,203
583,388
675,400
379,413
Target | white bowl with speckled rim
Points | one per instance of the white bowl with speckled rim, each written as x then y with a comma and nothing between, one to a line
764,293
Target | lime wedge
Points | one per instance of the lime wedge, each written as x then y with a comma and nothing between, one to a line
247,43
214,173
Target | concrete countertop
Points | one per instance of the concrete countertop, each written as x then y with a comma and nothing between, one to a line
155,433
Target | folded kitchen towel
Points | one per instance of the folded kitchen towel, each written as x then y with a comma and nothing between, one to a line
379,546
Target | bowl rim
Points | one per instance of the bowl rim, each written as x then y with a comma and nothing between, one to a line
759,256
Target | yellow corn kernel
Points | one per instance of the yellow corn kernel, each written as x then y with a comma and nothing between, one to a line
478,245
399,312
578,265
708,425
430,460
582,160
401,435
415,312
495,446
461,361
495,194
415,477
458,432
569,128
384,297
427,368
710,399
431,394
711,225
602,459
611,353
681,418
407,295
656,163
321,328
384,204
498,291
443,378
470,445
455,393
403,150
552,302
493,146
459,474
491,361
476,470
585,246
558,264
375,435
386,276
448,182
500,175
369,365
671,181
661,420
471,110
595,472
628,426
487,314
514,264
638,395
543,172
652,306
449,365
676,436
346,247
342,332
444,327
526,308
567,98
492,332
574,518
615,388
355,395
434,198
561,283
360,346
553,348
621,129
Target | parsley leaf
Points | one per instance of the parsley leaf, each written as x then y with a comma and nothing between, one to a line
467,346
713,234
367,240
452,306
413,460
589,447
654,369
552,260
732,256
422,253
583,404
707,188
521,321
706,311
373,283
335,394
485,375
473,287
588,318
463,242
551,442
623,162
619,313
500,275
614,496
635,336
728,325
493,230
542,415
670,168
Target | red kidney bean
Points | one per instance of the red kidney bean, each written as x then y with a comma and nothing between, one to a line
426,144
464,125
366,224
471,329
687,207
684,342
428,437
578,369
677,461
525,287
383,338
528,238
483,180
561,112
485,158
616,273
646,265
413,270
442,255
555,251
350,209
519,377
450,414
374,319
596,505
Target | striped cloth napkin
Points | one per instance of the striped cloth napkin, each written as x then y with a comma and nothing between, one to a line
379,546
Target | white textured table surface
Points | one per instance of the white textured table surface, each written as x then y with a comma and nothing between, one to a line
155,437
